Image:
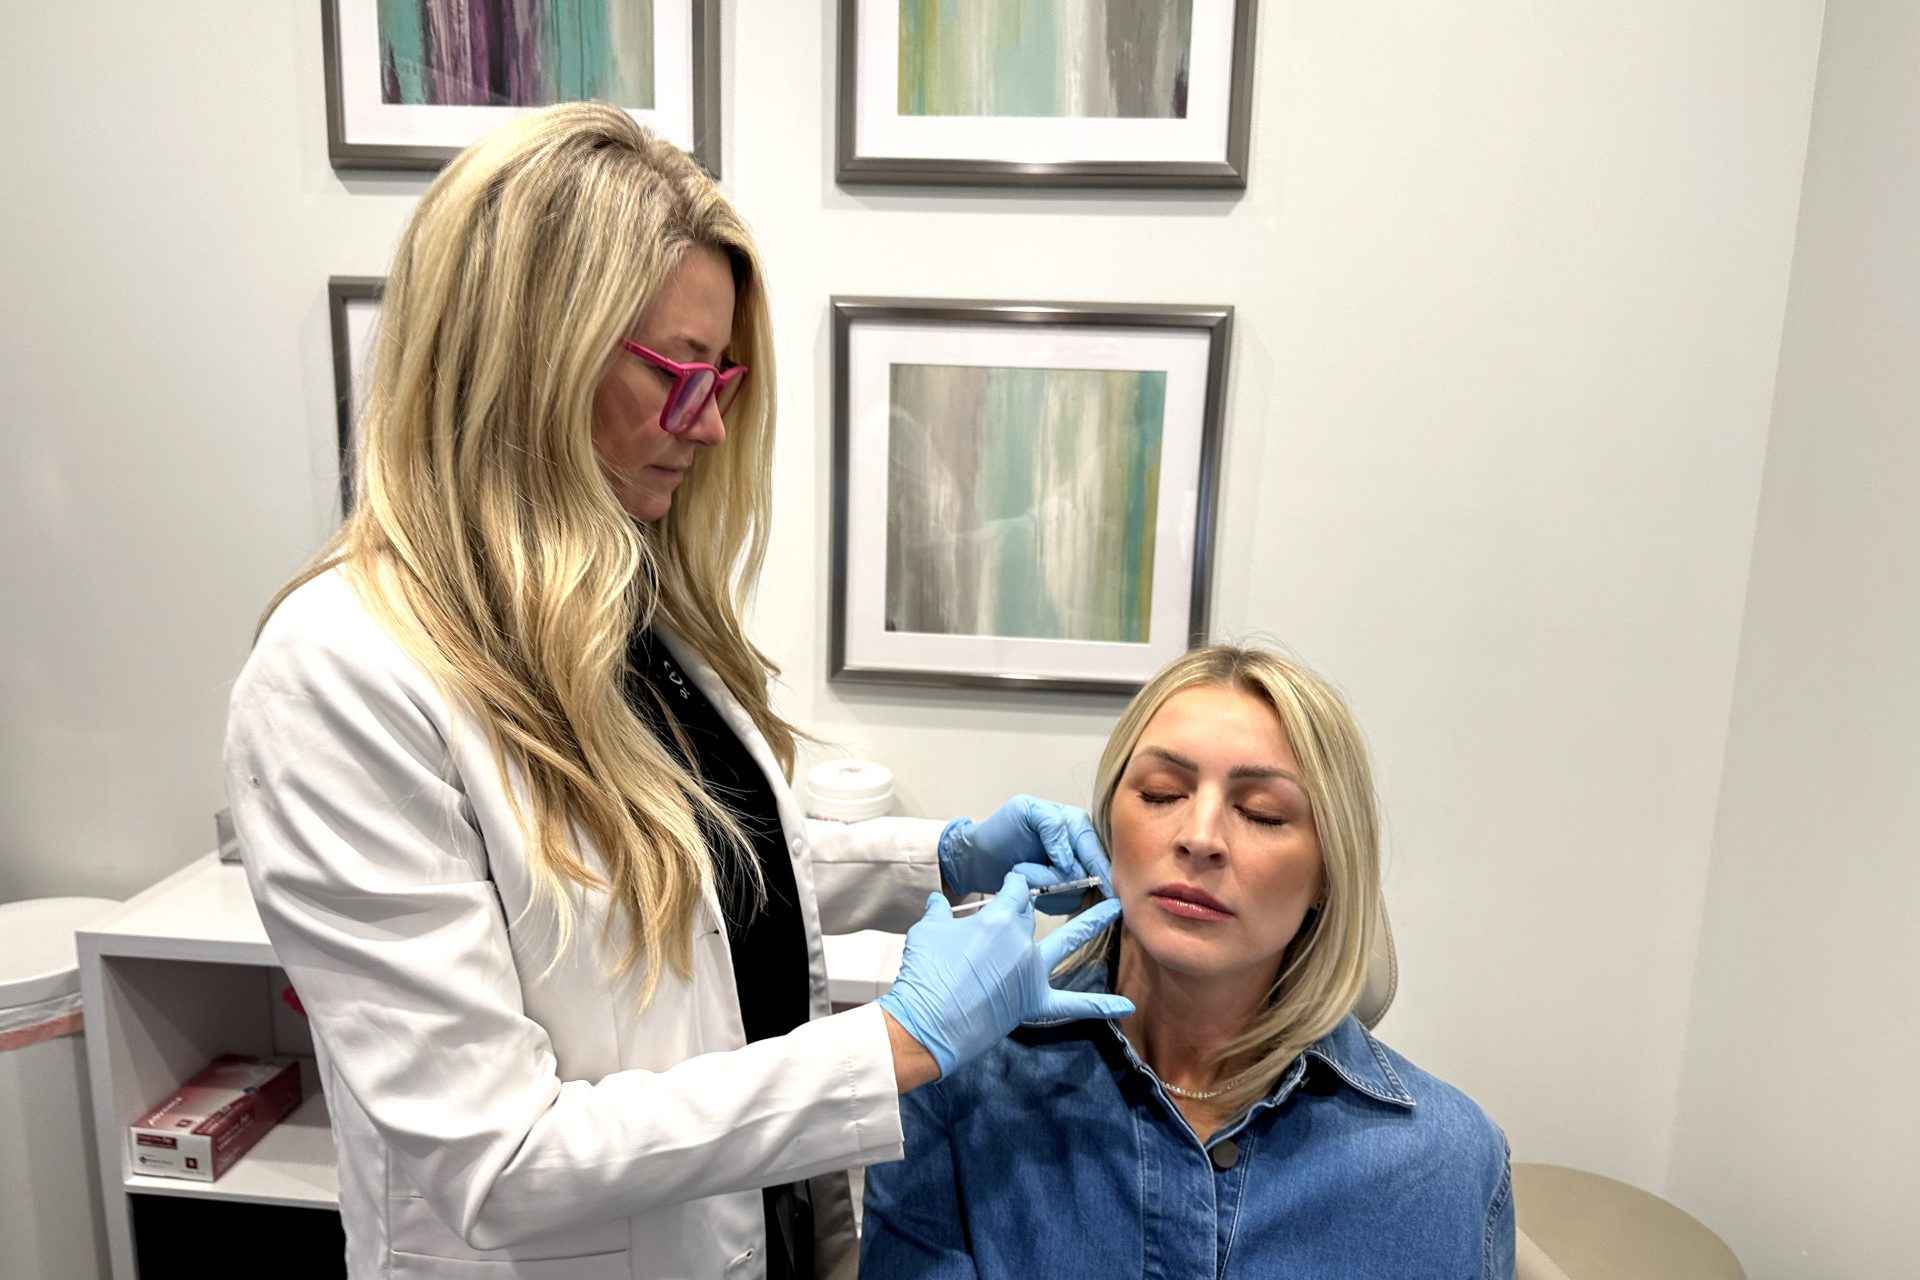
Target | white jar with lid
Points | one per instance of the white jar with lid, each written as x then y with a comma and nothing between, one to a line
849,790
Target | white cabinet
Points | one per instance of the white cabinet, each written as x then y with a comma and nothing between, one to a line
184,973
178,976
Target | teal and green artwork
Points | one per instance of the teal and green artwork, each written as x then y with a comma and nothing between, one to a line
1120,59
516,53
1023,502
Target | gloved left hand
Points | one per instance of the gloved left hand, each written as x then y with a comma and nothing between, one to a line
1046,843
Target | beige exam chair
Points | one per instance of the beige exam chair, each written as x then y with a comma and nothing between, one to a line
1573,1225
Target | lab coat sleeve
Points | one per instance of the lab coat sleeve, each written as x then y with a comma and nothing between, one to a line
912,1223
371,879
874,874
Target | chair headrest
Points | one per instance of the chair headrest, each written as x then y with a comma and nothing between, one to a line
1383,975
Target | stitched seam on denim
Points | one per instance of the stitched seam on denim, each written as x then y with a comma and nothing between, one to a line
1386,1067
1290,1082
1275,1096
943,1106
1493,1210
1234,1130
1401,1099
1239,1200
1140,1145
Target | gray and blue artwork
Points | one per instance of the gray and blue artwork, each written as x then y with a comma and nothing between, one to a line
1023,502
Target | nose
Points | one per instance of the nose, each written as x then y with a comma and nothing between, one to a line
709,428
1203,834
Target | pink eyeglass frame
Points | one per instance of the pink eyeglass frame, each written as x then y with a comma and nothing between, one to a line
722,386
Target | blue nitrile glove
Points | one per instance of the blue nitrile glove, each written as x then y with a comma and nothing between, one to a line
964,984
1045,842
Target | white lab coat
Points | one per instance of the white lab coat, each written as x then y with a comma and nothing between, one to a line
494,1119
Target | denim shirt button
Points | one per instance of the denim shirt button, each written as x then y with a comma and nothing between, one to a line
1225,1154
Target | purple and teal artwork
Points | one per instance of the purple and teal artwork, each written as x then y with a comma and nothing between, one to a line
1023,502
516,53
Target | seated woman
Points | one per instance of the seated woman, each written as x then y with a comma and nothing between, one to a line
1242,1122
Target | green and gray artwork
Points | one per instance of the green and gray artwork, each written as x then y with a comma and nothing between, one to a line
1022,502
1124,59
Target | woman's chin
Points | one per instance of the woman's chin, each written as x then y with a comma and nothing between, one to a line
647,507
1179,953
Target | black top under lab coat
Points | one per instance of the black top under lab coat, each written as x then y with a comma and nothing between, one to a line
769,944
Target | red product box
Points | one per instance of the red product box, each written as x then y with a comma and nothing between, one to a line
212,1119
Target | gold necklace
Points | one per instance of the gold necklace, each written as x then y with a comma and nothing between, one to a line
1192,1095
1202,1095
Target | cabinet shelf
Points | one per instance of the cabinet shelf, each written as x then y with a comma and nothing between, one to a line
292,1165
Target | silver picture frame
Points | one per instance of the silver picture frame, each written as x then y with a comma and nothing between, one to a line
343,293
1225,171
1107,322
347,152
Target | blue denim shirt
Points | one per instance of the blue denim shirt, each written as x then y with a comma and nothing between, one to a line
1058,1154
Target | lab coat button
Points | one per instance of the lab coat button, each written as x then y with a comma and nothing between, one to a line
1225,1154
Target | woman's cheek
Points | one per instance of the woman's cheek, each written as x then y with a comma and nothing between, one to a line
1128,834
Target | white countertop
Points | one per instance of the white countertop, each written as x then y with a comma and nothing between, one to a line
204,911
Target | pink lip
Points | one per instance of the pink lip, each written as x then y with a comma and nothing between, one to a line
1190,903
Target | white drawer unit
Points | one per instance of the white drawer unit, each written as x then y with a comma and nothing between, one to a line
183,973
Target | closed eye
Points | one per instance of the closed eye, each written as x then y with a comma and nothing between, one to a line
1262,819
1160,797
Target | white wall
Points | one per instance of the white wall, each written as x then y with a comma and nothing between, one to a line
1510,280
1797,1134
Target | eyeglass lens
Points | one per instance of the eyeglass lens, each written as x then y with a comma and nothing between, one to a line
687,401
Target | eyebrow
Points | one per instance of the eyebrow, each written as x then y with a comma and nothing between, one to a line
1238,771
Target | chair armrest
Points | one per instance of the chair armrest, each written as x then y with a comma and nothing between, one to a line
1530,1262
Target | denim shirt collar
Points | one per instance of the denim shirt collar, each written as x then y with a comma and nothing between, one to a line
1357,1058
1349,1051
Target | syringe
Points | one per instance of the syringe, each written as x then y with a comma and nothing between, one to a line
1036,893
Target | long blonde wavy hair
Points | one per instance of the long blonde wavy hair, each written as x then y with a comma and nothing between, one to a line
1325,966
486,535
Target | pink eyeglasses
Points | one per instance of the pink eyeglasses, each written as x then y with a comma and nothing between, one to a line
693,386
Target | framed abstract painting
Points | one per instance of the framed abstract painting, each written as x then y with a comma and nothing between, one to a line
353,314
411,82
1023,493
1045,93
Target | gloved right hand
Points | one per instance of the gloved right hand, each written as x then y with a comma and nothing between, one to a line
964,984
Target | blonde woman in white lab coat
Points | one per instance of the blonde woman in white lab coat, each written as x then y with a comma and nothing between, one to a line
513,798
